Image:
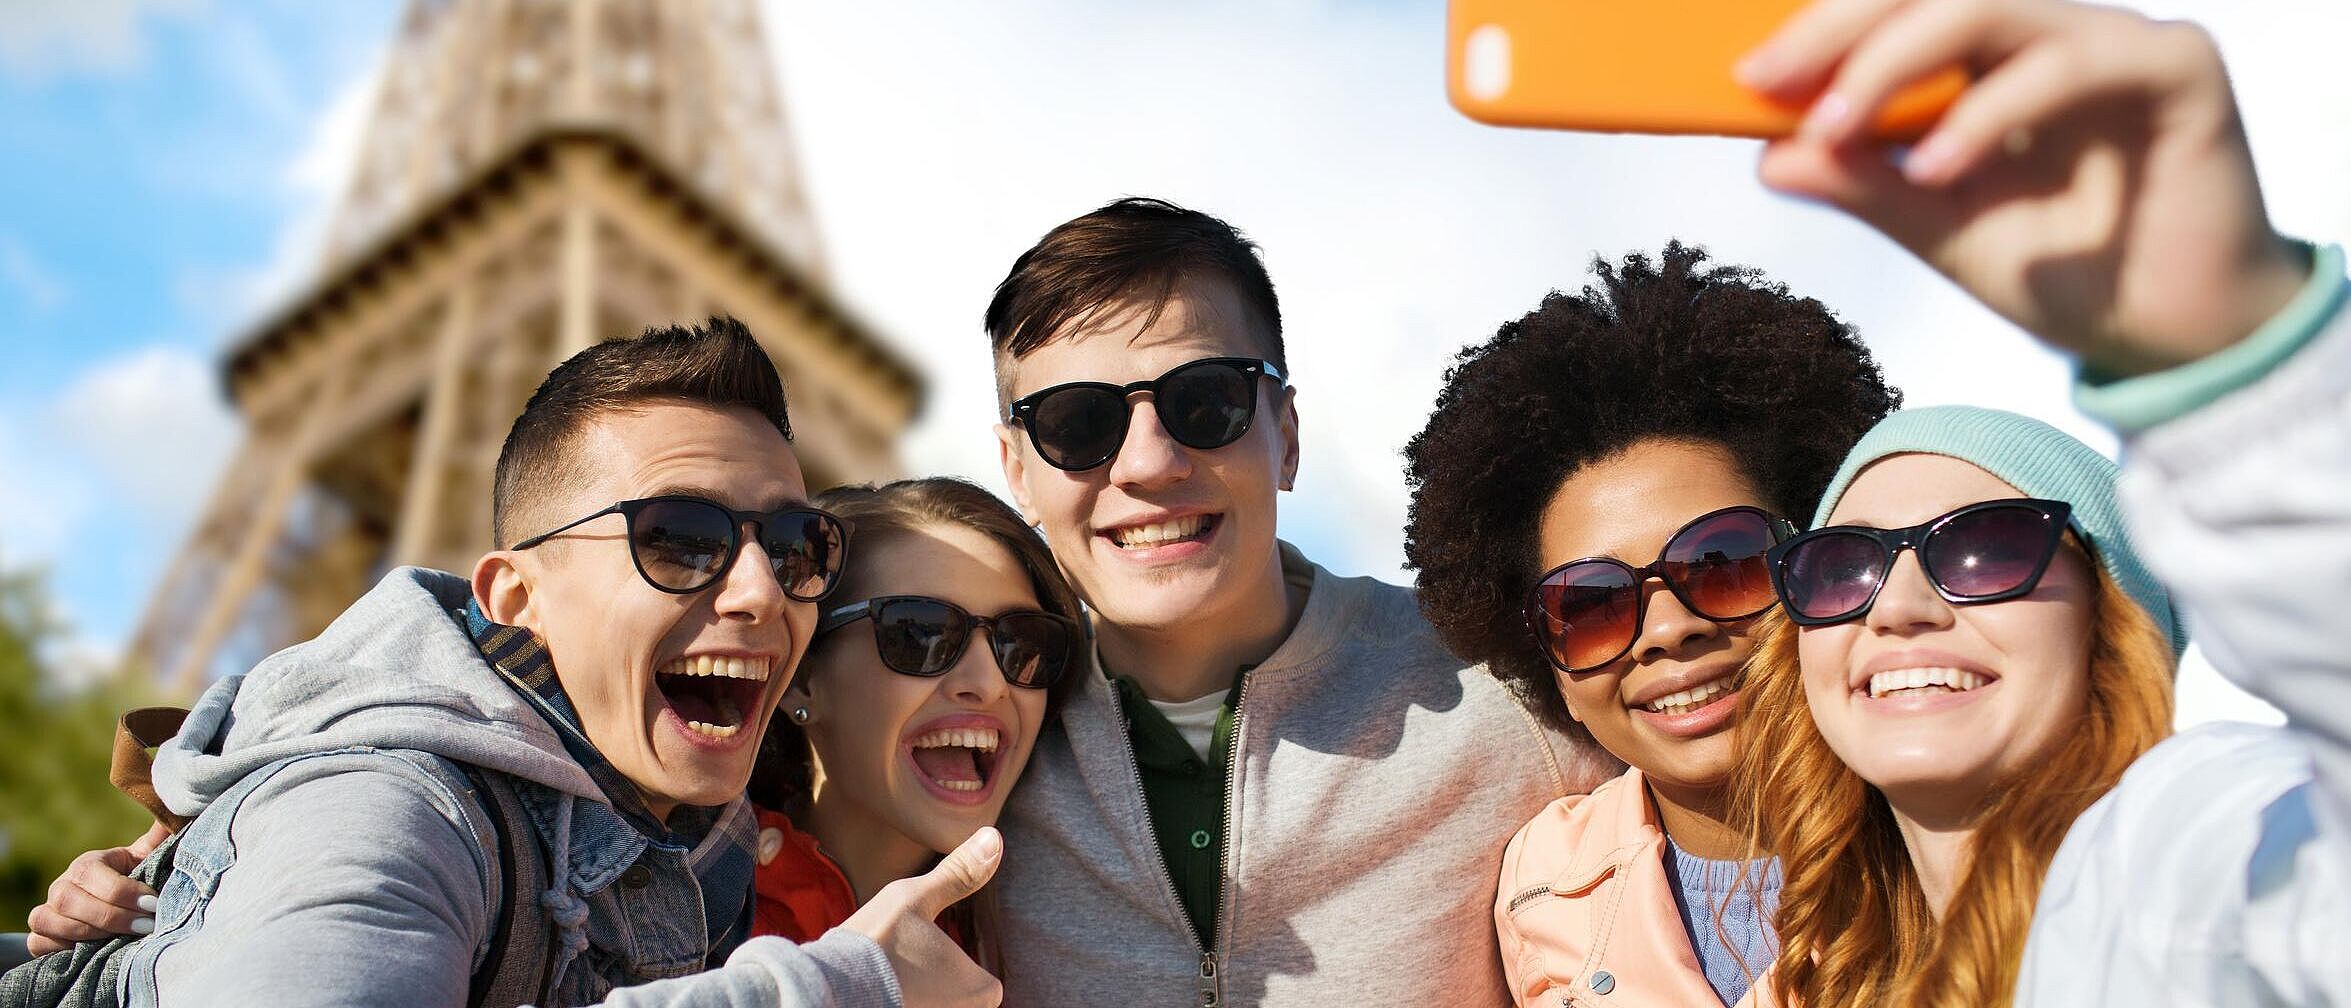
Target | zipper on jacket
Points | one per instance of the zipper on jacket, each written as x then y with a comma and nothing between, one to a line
1208,964
1212,987
1526,896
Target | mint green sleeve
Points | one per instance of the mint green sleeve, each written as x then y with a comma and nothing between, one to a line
2130,405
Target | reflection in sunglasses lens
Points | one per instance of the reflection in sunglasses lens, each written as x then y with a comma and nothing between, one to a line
1206,406
1834,574
1589,612
1988,552
1078,426
918,637
680,544
1720,566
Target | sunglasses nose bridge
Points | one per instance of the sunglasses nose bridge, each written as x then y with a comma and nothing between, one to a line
976,675
1907,593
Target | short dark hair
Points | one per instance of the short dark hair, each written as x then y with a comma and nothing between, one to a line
1666,349
717,363
1129,247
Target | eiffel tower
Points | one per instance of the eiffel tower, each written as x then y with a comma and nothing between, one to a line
537,175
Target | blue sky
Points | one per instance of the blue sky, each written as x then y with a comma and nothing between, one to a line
152,160
168,165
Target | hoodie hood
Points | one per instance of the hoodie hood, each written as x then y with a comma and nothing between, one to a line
396,671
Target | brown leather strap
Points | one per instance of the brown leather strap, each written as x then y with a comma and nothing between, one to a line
132,772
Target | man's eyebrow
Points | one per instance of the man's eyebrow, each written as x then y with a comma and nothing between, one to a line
776,503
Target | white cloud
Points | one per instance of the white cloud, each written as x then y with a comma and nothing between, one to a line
40,39
153,427
312,184
99,480
41,498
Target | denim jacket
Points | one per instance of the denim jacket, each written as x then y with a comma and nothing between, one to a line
337,857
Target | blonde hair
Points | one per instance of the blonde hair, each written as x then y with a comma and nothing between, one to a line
1854,926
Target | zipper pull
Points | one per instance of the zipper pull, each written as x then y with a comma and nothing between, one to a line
1208,983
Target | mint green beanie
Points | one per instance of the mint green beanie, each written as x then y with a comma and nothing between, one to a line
2033,457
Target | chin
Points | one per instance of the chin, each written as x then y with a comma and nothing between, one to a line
1939,773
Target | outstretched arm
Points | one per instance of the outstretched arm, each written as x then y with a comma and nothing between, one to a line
2094,186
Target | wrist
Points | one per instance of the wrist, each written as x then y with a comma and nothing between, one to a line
2260,285
2132,402
2264,289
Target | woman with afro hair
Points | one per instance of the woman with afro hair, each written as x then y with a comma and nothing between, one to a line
1591,503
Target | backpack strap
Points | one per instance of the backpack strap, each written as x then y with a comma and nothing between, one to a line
515,964
132,771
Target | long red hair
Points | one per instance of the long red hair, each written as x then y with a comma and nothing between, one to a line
1854,925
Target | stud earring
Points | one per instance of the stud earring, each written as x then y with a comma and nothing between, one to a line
800,715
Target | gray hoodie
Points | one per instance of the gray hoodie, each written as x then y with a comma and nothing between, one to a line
344,862
1375,782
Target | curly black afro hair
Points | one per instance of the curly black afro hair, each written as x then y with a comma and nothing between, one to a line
1667,349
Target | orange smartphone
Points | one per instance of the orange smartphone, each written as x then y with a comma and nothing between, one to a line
1639,66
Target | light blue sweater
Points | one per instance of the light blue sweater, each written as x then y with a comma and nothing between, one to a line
1706,892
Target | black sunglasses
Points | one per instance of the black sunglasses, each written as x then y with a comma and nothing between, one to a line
1984,552
1204,404
683,544
922,636
1587,613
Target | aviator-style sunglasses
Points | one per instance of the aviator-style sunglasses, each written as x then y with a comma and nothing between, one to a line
1204,404
922,636
1587,613
682,544
1984,552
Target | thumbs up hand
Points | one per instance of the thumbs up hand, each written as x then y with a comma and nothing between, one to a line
932,971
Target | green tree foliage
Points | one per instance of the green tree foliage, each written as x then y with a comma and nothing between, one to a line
54,747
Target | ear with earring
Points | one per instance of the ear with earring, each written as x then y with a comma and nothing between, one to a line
801,716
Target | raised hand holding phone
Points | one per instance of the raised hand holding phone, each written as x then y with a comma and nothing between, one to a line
1652,66
2093,184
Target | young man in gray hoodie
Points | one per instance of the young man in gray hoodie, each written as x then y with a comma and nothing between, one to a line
609,672
1279,789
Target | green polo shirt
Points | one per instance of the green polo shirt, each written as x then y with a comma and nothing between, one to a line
1186,797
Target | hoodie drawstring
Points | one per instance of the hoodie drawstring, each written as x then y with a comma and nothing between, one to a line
567,911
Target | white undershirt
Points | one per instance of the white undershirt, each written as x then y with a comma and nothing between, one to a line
1195,720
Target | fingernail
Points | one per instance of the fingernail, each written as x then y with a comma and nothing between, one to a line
1928,162
1757,70
147,903
1827,118
143,925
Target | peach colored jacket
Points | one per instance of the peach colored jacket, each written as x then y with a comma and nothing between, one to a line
1585,911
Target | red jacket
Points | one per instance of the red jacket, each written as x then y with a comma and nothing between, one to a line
800,893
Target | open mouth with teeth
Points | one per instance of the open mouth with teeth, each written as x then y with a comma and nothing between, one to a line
1157,535
1690,699
713,696
958,764
1915,682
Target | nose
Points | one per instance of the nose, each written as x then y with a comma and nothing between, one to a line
1667,626
749,590
975,681
1907,603
1149,458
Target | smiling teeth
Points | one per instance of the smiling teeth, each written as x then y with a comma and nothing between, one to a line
715,732
1158,533
754,669
1688,700
1950,679
982,739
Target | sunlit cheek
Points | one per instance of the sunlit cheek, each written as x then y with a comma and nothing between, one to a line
1821,656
